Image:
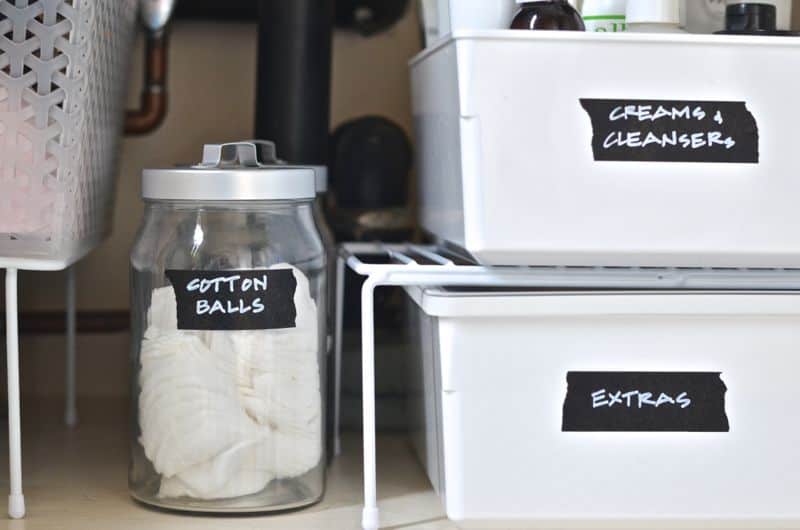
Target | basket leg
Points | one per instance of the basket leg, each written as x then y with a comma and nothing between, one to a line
71,409
16,500
337,359
370,514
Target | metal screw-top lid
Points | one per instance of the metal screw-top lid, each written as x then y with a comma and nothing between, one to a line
239,171
321,177
268,154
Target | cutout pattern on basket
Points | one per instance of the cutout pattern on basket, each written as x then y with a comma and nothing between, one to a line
63,74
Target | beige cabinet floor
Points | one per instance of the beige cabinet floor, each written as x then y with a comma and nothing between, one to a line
75,479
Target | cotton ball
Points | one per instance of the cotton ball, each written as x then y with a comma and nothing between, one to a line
286,381
296,453
291,403
162,317
223,413
242,470
307,317
189,410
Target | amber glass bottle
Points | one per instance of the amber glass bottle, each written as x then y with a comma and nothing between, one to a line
548,15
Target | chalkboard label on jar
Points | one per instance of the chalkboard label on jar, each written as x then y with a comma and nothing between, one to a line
234,300
672,131
645,402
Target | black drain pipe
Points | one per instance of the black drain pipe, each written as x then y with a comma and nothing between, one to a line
294,78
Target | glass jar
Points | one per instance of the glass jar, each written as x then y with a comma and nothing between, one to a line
328,242
228,337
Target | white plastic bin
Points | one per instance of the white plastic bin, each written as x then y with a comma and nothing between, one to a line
492,372
508,170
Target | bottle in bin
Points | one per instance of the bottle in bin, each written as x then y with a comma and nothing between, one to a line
548,15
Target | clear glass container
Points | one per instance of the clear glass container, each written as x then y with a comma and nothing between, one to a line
228,347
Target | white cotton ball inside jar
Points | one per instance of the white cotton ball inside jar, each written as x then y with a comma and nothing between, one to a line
223,413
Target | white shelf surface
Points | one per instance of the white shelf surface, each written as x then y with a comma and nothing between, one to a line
77,480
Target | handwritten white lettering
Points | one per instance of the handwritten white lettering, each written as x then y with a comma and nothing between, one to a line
646,113
228,283
670,139
598,399
637,399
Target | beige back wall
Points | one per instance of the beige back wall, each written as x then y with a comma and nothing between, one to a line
212,99
795,14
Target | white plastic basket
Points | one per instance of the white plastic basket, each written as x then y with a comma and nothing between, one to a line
63,73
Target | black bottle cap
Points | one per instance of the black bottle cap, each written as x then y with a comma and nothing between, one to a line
751,18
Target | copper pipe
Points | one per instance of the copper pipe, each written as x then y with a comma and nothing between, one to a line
154,94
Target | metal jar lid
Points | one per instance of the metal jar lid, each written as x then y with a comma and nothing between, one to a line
321,175
239,171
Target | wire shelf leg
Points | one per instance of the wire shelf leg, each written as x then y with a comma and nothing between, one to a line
370,515
16,500
337,359
71,409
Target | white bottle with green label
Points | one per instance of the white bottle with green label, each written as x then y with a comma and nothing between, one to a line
604,15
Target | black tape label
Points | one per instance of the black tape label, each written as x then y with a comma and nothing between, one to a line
645,401
672,131
234,300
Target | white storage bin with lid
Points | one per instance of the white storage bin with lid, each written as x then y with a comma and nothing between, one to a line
515,170
508,443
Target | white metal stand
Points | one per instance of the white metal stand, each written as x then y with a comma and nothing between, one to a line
426,266
71,409
16,500
337,373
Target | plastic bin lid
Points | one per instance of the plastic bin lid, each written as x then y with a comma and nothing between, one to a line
238,171
521,303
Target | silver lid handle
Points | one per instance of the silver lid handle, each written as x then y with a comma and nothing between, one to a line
251,153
